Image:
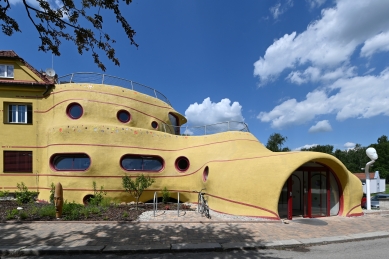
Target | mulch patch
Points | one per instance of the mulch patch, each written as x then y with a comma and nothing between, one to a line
110,213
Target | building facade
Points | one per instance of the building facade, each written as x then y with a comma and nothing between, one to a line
92,127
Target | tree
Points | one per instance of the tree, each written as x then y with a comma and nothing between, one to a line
320,148
275,143
136,188
64,22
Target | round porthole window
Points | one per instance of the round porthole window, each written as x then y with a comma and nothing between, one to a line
205,174
154,124
182,163
74,111
123,116
87,199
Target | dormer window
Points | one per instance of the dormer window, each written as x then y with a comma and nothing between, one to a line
7,71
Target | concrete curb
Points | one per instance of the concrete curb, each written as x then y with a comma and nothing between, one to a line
187,247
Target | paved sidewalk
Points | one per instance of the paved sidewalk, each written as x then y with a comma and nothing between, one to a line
189,232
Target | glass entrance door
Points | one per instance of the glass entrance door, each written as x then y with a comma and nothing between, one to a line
318,194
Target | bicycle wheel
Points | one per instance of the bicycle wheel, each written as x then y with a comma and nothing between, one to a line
201,205
207,213
206,210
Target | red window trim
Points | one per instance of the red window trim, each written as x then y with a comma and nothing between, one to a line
145,156
52,158
180,159
20,165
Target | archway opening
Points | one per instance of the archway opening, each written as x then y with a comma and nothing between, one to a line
311,191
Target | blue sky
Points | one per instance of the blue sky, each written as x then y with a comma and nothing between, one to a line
315,71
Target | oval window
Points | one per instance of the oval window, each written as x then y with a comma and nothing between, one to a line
123,116
74,110
182,163
70,162
154,124
205,174
141,163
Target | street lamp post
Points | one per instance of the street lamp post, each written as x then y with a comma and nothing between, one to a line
372,154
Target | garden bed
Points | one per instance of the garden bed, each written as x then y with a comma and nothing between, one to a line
46,212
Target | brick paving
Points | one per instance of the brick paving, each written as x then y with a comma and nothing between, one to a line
188,228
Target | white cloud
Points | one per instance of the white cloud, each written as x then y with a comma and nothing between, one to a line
305,146
208,112
349,145
321,126
327,42
33,3
291,112
279,9
315,3
357,97
378,43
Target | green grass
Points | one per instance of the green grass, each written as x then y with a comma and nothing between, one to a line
387,188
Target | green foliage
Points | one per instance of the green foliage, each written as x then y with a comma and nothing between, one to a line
82,26
275,143
47,211
98,195
136,188
165,195
12,214
320,148
4,193
24,195
125,214
71,210
23,215
52,191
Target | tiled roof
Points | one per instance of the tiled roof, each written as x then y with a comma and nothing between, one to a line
8,53
362,176
12,55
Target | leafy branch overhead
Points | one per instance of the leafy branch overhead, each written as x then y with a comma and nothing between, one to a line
80,22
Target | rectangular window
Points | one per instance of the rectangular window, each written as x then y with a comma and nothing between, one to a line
20,113
7,71
18,161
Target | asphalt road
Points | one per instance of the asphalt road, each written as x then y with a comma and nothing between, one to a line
376,248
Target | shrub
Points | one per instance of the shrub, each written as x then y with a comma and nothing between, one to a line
4,193
23,215
52,191
165,195
11,214
98,195
47,211
24,195
136,188
71,210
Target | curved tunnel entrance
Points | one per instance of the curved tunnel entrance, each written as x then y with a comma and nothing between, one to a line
311,191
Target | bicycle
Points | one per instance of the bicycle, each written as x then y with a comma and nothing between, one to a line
202,205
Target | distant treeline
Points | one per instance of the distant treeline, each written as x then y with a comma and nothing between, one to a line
355,159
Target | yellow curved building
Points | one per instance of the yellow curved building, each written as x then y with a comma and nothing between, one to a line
91,127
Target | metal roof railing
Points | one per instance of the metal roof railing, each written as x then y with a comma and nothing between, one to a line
206,129
97,78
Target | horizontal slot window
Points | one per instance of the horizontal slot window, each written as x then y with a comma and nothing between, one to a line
141,163
70,162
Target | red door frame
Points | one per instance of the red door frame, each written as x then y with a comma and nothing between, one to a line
308,200
290,198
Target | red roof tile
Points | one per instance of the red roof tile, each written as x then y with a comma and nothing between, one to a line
362,176
12,54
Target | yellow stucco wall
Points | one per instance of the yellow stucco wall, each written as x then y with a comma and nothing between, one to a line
244,177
